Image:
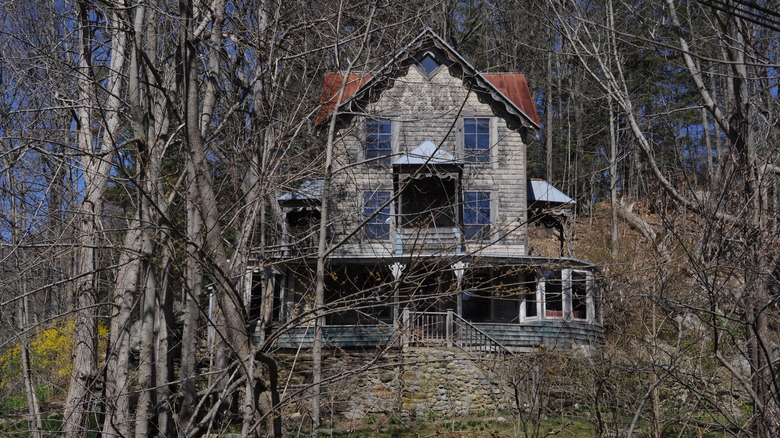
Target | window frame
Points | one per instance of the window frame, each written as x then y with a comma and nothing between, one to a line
483,134
373,135
547,313
567,298
377,228
423,70
482,230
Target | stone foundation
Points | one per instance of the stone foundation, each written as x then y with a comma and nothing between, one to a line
413,383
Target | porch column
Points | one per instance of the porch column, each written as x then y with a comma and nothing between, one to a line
397,270
566,277
459,267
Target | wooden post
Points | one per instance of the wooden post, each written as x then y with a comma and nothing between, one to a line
405,326
449,328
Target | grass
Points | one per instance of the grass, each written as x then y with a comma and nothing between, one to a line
473,427
16,402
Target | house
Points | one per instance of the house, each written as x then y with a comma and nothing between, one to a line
429,217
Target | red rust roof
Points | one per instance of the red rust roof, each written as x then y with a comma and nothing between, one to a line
515,88
512,85
330,91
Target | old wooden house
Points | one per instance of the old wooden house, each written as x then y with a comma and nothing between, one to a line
429,212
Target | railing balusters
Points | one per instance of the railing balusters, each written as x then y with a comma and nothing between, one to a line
450,329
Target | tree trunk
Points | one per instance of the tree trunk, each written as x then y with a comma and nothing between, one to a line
117,410
548,119
191,299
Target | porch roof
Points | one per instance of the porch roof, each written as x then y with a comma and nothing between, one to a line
427,153
309,191
540,190
480,260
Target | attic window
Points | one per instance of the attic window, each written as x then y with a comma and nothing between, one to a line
429,64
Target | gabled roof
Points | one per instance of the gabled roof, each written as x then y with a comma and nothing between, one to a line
426,153
515,88
309,191
541,191
330,91
511,89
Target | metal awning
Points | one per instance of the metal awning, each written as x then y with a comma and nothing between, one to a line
426,153
542,191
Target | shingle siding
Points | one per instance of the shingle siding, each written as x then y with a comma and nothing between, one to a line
423,109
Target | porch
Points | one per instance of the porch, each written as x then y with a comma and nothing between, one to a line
447,329
487,303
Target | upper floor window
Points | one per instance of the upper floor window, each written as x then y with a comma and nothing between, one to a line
379,141
476,140
429,64
476,215
376,206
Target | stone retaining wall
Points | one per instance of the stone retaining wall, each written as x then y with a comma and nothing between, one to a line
414,383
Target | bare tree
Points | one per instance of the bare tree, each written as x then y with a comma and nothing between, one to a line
740,208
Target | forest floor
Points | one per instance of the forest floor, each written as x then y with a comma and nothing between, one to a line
460,427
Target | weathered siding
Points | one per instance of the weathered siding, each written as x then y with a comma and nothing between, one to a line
431,109
519,337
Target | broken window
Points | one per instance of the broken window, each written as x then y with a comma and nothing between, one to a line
379,141
476,215
579,295
476,140
376,207
530,303
553,293
428,202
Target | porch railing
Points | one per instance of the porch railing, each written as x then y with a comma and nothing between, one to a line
433,239
446,329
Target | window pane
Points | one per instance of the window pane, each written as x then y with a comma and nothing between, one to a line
379,141
530,304
579,295
553,294
358,296
476,140
378,226
428,64
476,215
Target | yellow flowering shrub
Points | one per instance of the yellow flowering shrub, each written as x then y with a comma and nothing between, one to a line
10,365
50,353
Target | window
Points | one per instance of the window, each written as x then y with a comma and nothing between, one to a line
567,295
429,64
579,295
476,215
553,294
428,202
378,226
476,140
529,287
529,298
379,141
